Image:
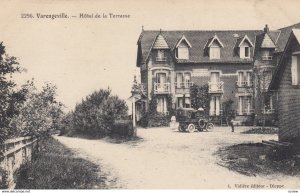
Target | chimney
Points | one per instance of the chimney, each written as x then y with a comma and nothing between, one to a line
266,29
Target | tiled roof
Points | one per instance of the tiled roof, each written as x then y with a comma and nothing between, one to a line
160,43
198,40
295,33
284,36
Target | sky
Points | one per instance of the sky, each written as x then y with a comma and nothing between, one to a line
81,55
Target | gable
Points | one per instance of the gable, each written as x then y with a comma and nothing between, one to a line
183,42
160,43
292,45
267,42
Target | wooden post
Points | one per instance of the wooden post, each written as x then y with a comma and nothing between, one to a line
133,117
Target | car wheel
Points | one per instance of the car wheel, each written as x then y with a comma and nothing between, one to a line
191,128
180,128
209,126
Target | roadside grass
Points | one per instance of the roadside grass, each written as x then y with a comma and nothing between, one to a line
113,138
262,130
254,159
56,167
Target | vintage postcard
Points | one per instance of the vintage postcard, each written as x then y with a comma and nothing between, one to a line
152,95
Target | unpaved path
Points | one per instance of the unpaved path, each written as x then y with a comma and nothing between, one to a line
165,158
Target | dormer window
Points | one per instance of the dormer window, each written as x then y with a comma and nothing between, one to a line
182,49
182,52
244,52
214,52
214,45
245,45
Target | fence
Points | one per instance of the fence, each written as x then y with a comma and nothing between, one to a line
13,153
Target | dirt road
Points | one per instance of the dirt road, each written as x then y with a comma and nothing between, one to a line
166,158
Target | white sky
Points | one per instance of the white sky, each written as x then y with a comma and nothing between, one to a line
83,55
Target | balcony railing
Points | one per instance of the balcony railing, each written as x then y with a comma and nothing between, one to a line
183,84
215,87
246,112
266,57
268,111
244,84
162,88
161,59
139,88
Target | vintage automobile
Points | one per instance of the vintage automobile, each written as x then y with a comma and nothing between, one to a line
190,119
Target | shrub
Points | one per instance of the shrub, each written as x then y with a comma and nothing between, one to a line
123,128
95,115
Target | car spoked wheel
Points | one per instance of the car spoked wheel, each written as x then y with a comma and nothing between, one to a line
209,126
191,128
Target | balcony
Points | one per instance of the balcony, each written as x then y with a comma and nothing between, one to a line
183,84
268,111
266,57
246,112
244,84
215,87
161,59
162,88
139,89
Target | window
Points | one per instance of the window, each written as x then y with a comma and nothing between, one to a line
179,80
161,105
160,56
266,55
295,69
244,52
214,52
245,104
187,80
183,102
214,106
183,80
182,52
244,79
247,52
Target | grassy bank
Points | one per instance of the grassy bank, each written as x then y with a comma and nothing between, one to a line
255,159
56,167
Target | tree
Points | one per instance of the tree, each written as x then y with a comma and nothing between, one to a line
228,111
40,113
96,114
200,97
10,97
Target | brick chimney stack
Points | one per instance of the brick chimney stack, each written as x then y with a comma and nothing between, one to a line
266,29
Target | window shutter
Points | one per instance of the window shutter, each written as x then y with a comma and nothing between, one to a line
294,70
242,52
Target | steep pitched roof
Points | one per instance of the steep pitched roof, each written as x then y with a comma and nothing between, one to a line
284,36
294,35
213,39
267,42
160,43
241,40
183,38
199,40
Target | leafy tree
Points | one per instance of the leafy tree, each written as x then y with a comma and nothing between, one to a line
40,113
10,97
228,111
200,97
